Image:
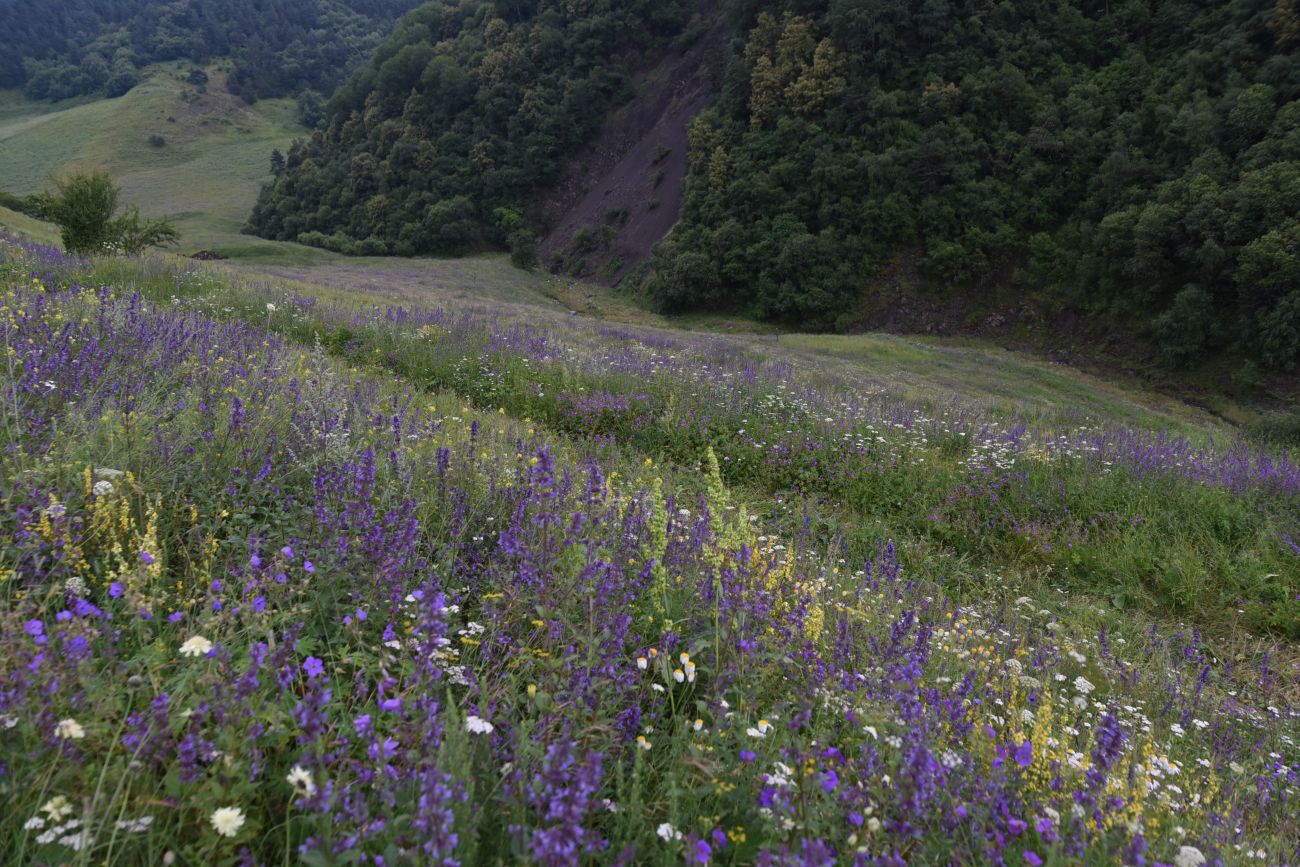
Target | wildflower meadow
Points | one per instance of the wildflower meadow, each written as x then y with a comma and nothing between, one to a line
295,578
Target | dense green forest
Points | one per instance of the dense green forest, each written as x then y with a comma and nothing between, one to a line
1139,160
1141,157
279,47
439,142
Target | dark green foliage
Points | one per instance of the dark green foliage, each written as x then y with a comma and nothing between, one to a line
279,46
523,249
1189,327
83,206
132,234
465,112
30,205
1116,154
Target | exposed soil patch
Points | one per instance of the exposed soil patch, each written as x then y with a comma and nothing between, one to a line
623,191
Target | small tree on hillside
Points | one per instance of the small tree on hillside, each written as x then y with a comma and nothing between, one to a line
82,206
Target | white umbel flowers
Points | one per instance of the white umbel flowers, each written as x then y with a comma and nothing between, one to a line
478,726
301,780
196,646
227,821
69,729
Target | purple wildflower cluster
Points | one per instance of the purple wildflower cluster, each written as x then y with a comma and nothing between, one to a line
261,604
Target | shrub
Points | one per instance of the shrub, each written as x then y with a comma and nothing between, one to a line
83,206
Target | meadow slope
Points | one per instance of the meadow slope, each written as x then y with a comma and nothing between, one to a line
214,158
292,573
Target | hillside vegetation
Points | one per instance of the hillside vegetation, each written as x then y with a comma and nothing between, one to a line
289,574
1138,162
279,47
196,155
440,142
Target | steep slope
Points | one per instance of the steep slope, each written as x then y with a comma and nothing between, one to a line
443,141
198,157
622,192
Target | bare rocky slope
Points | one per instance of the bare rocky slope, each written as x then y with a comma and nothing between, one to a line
623,192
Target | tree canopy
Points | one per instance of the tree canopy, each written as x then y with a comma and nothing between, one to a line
279,47
441,142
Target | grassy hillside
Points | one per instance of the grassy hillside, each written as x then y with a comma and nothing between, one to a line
206,175
288,573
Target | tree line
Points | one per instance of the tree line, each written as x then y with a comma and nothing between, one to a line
279,47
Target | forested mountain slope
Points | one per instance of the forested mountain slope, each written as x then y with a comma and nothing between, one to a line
1139,161
441,142
280,47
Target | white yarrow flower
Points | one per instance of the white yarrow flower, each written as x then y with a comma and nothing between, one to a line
478,726
69,728
1189,856
196,646
227,820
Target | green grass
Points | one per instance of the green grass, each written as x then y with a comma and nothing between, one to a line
1009,383
41,232
206,176
192,503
